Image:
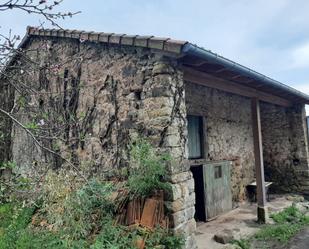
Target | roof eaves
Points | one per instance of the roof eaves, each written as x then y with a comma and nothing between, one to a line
209,56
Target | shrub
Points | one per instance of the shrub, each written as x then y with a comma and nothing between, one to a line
19,219
29,239
165,238
148,169
6,214
83,209
114,237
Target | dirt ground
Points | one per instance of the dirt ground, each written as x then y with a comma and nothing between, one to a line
240,221
300,241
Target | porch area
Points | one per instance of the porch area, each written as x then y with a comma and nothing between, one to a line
240,222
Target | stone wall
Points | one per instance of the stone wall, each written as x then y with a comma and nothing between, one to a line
106,96
229,131
6,95
285,144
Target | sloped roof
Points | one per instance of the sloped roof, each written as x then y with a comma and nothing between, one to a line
189,55
165,44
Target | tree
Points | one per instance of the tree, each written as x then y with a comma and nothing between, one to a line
18,92
42,8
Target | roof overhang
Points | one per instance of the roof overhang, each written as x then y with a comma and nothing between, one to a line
204,61
190,56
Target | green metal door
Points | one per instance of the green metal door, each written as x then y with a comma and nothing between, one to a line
218,194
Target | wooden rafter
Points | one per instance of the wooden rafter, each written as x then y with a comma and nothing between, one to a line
231,87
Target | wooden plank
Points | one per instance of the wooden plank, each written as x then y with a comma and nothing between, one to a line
149,213
217,190
231,87
197,162
258,152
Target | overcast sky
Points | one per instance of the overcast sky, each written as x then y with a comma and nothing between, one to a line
270,36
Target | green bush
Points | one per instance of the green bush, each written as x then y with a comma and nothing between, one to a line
6,215
84,218
19,219
29,239
165,238
83,210
114,237
148,169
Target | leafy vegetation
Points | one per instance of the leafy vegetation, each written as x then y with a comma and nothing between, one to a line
115,237
84,208
148,169
7,165
163,237
242,243
15,220
287,224
72,215
12,182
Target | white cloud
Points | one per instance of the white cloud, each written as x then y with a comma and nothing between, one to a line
303,87
300,56
271,37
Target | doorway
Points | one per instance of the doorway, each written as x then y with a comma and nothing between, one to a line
213,194
200,212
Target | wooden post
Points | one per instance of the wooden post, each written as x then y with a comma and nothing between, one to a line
259,162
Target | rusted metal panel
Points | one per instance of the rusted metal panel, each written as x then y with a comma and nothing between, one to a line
218,193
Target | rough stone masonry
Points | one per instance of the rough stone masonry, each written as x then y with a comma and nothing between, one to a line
107,95
114,95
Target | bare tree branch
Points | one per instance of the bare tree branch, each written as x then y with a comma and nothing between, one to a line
41,145
40,7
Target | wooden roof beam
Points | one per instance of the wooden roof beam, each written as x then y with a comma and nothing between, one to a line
231,87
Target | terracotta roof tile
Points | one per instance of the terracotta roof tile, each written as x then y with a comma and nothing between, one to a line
157,42
142,41
54,32
104,37
47,32
174,46
121,39
94,36
115,38
128,40
61,33
75,34
84,35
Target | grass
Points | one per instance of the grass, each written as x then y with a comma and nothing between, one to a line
14,220
6,213
287,224
243,243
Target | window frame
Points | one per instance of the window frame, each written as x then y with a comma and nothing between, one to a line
203,137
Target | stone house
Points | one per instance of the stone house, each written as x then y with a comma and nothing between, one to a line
223,123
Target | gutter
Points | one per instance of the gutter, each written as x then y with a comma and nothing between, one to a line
193,50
